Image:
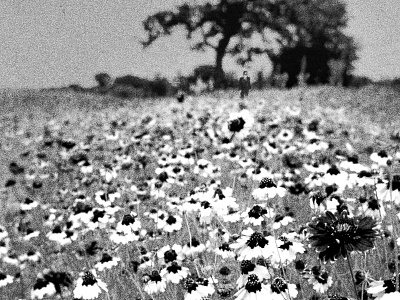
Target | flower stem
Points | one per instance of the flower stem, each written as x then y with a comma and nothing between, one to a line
352,276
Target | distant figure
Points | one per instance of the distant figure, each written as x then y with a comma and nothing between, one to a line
244,85
180,98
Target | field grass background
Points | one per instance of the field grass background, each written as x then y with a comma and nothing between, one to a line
366,117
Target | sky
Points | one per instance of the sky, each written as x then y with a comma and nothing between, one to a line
50,43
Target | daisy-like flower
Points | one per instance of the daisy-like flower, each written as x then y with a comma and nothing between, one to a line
30,256
193,248
29,204
253,244
168,254
121,237
107,262
154,283
352,164
253,290
225,251
384,290
3,232
320,279
240,123
174,273
258,173
372,208
170,224
5,279
129,223
86,167
4,246
386,194
316,145
42,288
279,289
335,176
282,220
30,234
257,214
365,178
89,286
247,268
335,235
268,190
288,247
380,158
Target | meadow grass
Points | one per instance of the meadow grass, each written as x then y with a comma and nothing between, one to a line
363,118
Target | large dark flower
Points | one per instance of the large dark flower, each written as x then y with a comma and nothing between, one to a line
335,235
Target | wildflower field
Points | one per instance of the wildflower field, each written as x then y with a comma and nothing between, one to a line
284,195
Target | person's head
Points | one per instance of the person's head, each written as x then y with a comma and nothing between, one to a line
244,73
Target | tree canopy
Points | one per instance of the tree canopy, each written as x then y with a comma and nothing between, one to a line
254,27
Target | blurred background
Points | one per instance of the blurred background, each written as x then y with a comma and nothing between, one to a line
159,48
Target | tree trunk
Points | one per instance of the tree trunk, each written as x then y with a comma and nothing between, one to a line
221,51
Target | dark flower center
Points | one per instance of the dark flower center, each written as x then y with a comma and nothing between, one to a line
106,258
28,201
256,212
286,243
155,276
390,286
278,286
373,204
318,198
257,240
88,279
382,153
97,214
396,183
205,204
353,159
163,176
247,266
171,220
266,183
253,285
170,256
40,284
174,268
2,276
195,242
128,220
225,247
190,285
236,125
333,171
364,173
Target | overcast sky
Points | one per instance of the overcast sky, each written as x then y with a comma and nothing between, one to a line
47,43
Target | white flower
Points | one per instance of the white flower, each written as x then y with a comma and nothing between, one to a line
384,290
155,283
268,190
253,244
89,286
42,288
174,273
5,279
107,262
254,289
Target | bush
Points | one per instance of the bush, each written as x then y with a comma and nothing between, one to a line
103,80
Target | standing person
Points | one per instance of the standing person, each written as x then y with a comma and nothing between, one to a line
244,85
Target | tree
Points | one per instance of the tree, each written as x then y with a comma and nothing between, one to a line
225,27
103,79
318,37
